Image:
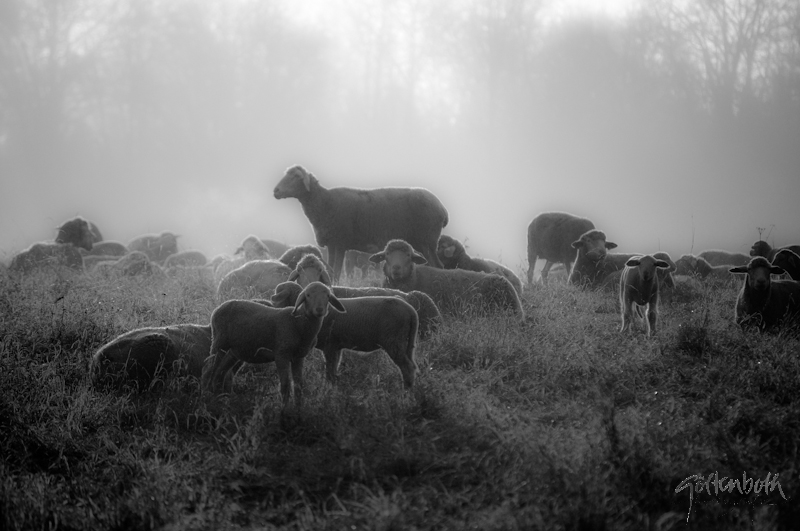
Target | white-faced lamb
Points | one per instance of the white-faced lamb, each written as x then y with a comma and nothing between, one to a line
249,332
255,279
589,269
365,220
77,232
453,255
45,255
157,247
138,357
719,257
550,236
762,302
638,292
762,248
453,290
789,261
310,269
369,324
430,318
612,280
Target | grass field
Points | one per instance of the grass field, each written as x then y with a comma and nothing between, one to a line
559,423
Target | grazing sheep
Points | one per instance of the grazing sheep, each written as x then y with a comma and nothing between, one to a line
358,260
369,324
293,255
249,332
365,220
450,289
46,254
137,357
696,265
310,269
589,269
762,248
134,263
717,257
186,259
789,261
253,280
453,255
762,302
550,236
638,291
430,318
107,248
76,232
156,247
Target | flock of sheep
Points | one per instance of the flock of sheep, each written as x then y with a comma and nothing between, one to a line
279,309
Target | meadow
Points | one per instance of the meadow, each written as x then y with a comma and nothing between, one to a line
557,423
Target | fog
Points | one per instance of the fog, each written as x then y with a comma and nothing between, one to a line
671,125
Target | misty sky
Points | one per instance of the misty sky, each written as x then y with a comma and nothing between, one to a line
183,115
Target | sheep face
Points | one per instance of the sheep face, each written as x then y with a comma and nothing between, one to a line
310,269
295,183
448,247
253,249
399,259
315,299
594,244
647,266
758,273
760,248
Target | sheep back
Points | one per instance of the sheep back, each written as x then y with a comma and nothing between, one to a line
255,279
44,254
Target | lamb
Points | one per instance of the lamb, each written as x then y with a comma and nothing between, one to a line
589,269
46,254
762,248
249,332
369,324
365,220
76,232
257,278
293,255
252,248
310,269
639,288
696,265
789,261
762,302
186,259
718,257
450,289
453,255
612,280
156,247
134,263
550,236
138,357
430,318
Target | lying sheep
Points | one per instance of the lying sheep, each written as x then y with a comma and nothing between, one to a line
138,357
252,248
550,236
789,261
310,269
762,302
186,259
364,220
450,289
718,257
293,255
430,318
762,248
157,247
107,248
638,291
253,280
249,332
369,324
453,255
696,265
589,269
76,232
46,254
275,248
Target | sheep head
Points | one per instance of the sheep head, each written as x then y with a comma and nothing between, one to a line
760,248
787,259
253,249
758,273
449,247
315,299
77,232
594,245
310,269
686,264
647,266
399,259
286,294
296,182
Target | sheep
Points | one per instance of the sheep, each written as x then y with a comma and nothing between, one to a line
550,236
789,261
310,269
156,247
589,267
186,259
106,248
275,248
254,249
47,254
453,255
638,287
137,357
365,220
762,248
257,278
450,289
76,232
293,255
369,324
251,248
696,265
762,302
134,263
357,260
717,257
612,279
430,318
249,332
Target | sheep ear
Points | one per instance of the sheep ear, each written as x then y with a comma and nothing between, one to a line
307,181
336,303
738,269
611,245
325,278
293,275
662,264
418,258
633,262
377,258
300,300
777,270
577,244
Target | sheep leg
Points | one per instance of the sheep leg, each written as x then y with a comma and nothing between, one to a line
333,358
403,357
627,315
531,267
336,254
224,363
652,319
546,270
284,366
297,376
227,380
